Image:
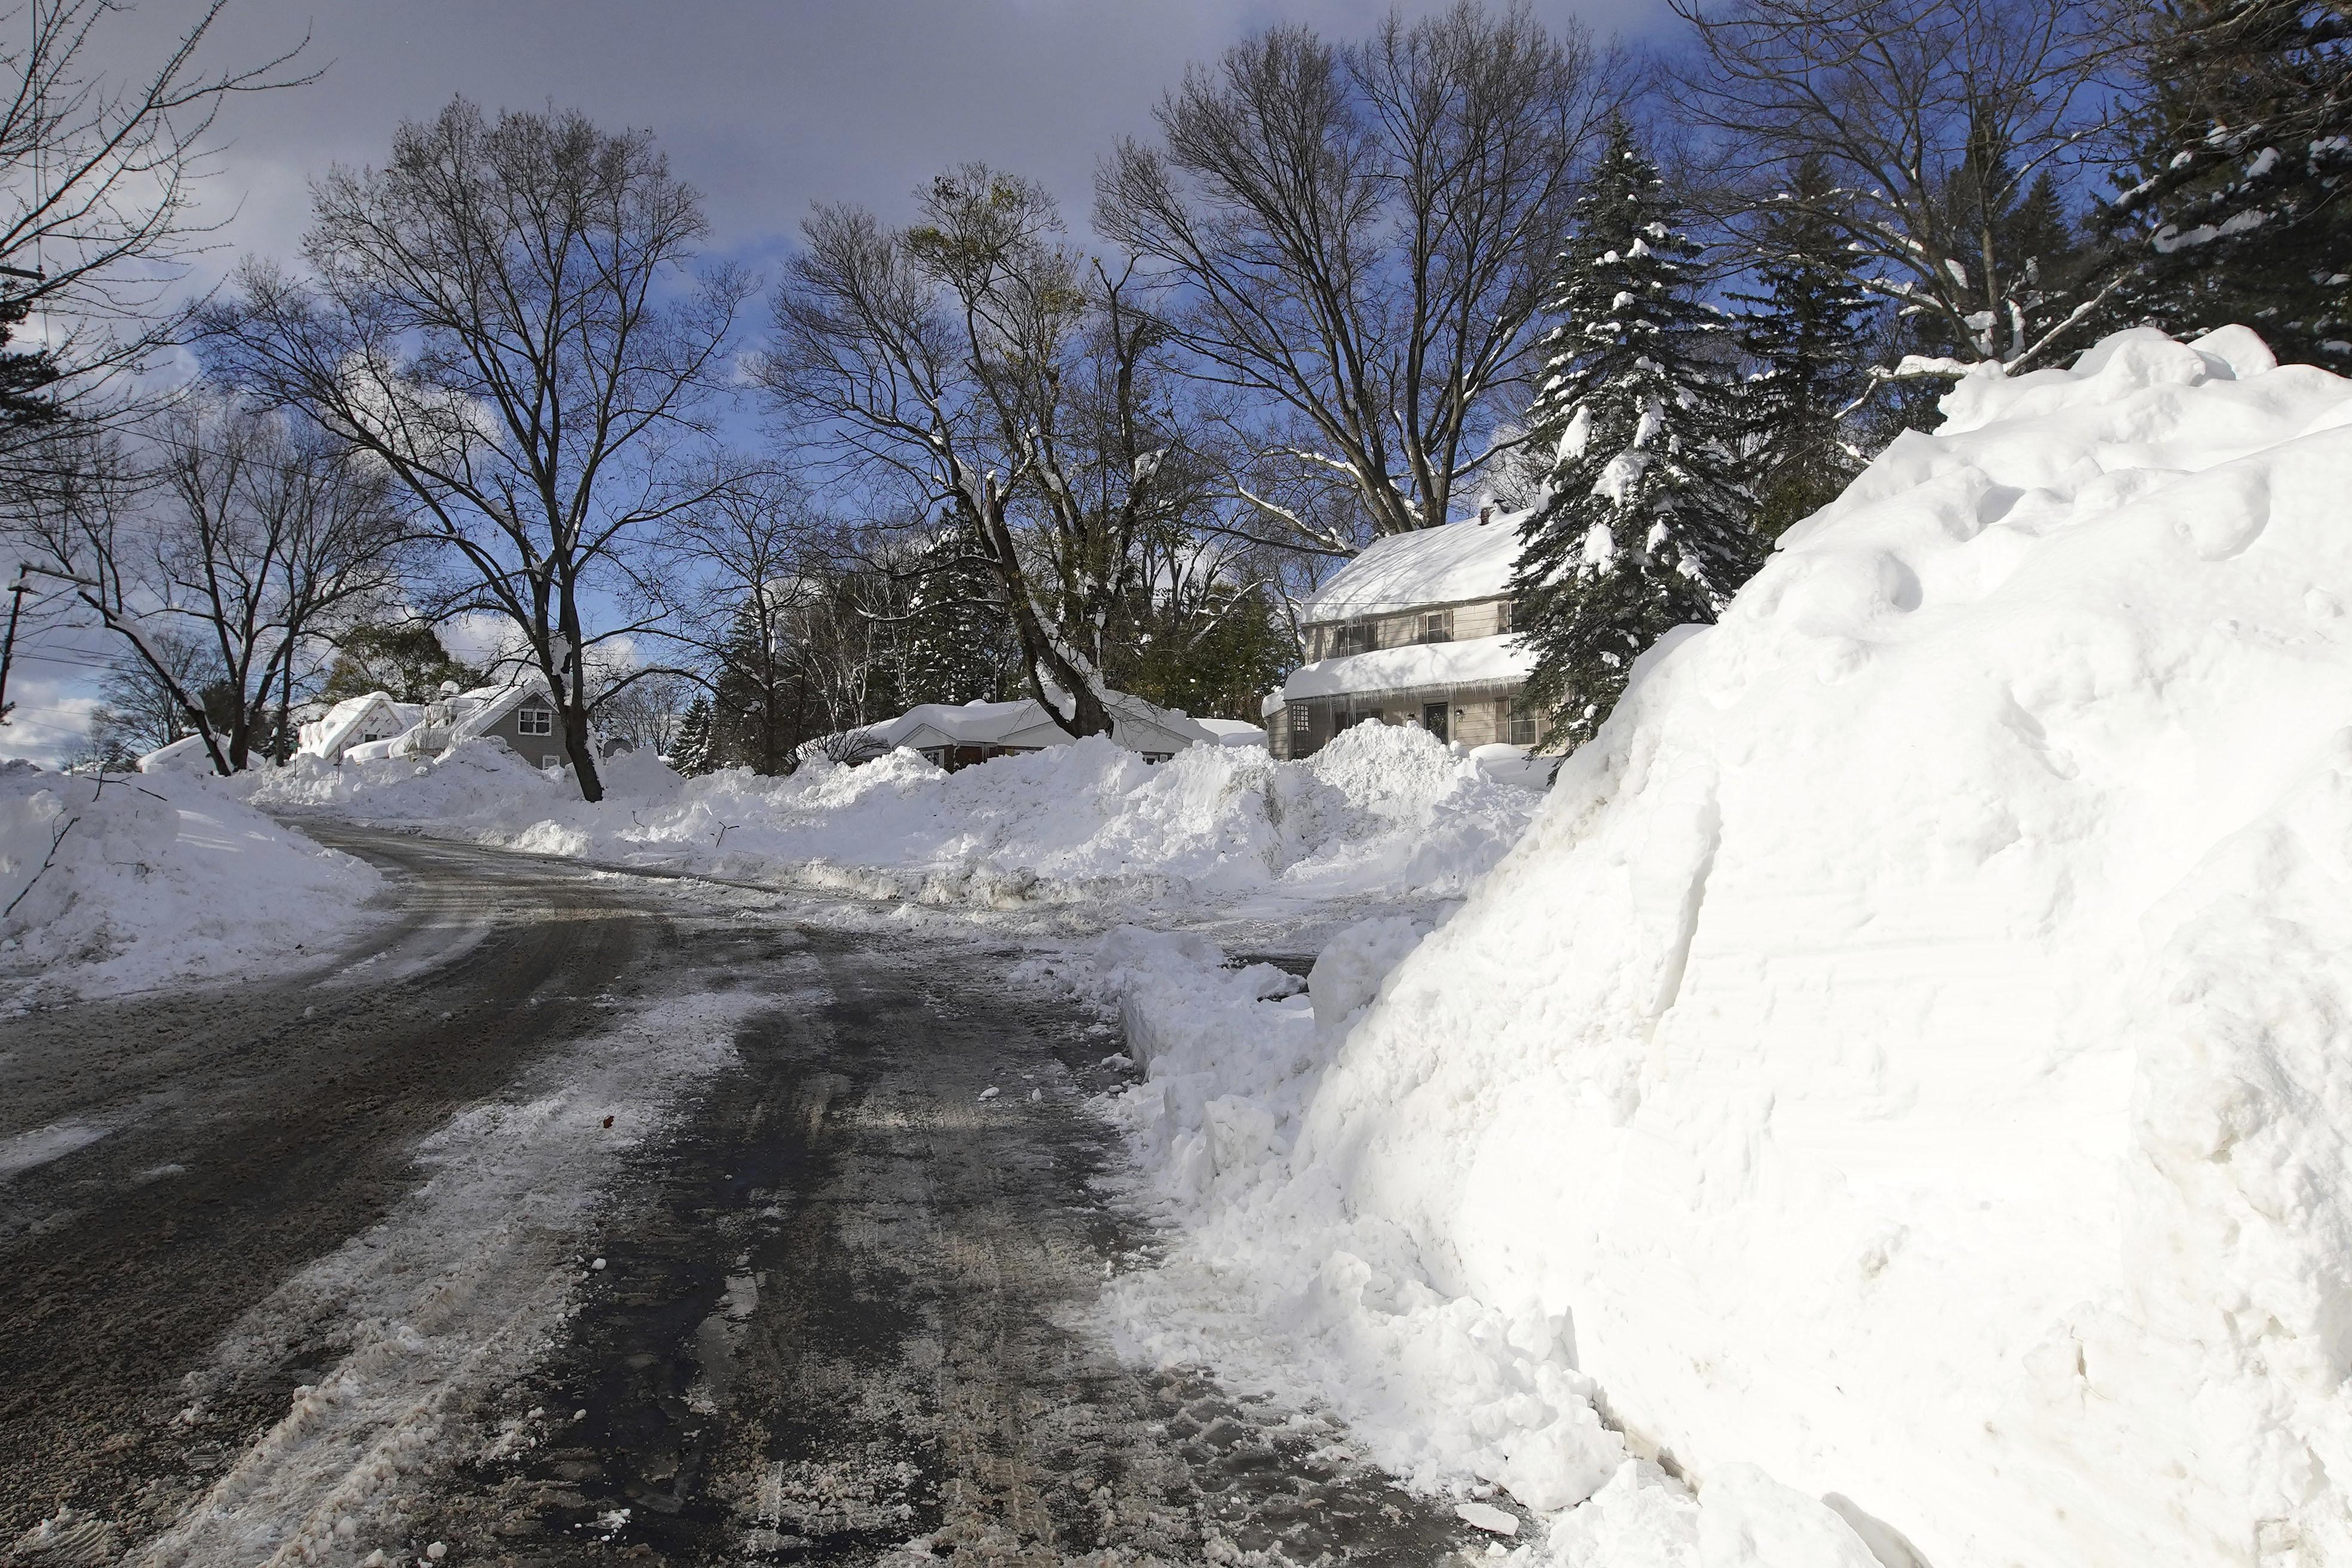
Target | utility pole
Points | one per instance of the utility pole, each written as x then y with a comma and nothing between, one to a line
9,644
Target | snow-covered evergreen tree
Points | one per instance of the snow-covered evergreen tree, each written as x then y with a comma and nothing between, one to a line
691,752
1808,336
1643,526
2241,195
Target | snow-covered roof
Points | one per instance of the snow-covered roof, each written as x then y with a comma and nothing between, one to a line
348,718
1140,725
967,724
1477,662
1233,732
485,705
187,752
1464,560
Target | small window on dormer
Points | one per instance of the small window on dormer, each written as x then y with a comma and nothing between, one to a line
1437,625
1502,616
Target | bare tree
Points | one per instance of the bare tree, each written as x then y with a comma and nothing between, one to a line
238,533
1356,242
98,174
1934,121
86,535
506,317
269,530
990,368
140,712
743,574
644,709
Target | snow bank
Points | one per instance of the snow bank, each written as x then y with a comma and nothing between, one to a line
161,877
1908,1050
1380,812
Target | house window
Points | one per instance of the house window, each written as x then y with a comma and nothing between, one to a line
1302,721
1502,616
1354,636
535,720
1437,625
551,762
1521,728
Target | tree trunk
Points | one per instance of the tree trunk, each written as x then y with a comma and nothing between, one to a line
572,702
582,751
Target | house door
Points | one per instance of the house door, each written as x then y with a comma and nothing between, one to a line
1433,719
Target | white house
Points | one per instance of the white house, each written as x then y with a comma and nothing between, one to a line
955,737
1415,630
354,721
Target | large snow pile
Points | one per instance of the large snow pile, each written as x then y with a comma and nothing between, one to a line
130,882
1909,1051
1380,812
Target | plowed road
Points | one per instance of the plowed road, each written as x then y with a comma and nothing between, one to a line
306,1271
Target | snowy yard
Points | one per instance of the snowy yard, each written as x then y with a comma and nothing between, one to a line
1963,919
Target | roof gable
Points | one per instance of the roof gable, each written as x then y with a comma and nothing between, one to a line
346,719
495,704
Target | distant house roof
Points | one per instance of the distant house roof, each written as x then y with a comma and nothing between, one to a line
348,721
1464,560
1136,724
1480,661
481,709
1233,732
187,753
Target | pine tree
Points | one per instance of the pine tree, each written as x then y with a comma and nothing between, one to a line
28,378
1808,337
690,753
2239,196
955,642
1643,526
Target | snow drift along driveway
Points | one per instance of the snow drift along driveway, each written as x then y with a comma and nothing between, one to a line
1910,1050
1913,1041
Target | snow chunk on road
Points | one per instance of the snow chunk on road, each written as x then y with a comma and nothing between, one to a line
1486,1516
122,884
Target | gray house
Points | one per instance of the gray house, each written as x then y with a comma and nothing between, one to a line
522,715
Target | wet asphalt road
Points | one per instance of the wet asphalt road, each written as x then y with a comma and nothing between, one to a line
843,1307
